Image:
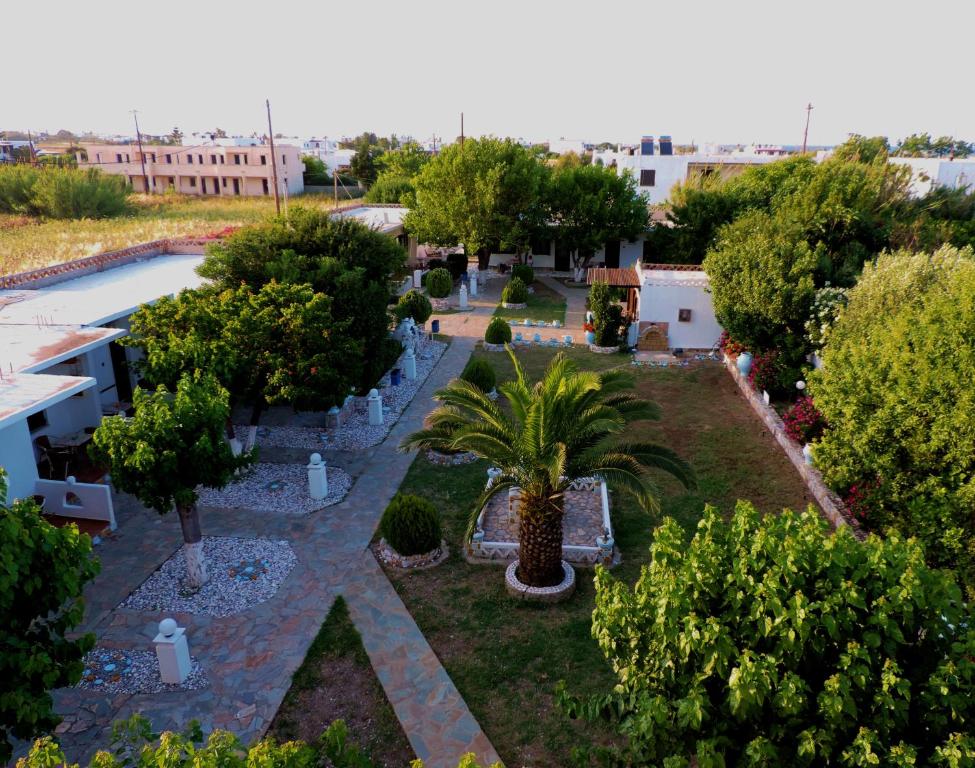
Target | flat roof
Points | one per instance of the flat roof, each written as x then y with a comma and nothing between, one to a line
378,217
32,348
24,395
691,278
101,297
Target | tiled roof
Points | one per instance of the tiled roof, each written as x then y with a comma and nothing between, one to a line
623,278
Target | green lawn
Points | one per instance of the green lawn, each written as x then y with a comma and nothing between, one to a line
544,304
337,682
505,657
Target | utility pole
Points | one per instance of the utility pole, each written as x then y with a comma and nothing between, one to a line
335,183
30,148
142,155
274,162
462,129
805,135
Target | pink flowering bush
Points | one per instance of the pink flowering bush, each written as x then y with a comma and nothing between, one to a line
729,346
803,421
765,371
862,500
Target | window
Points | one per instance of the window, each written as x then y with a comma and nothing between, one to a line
222,159
245,159
684,315
263,159
284,160
168,159
118,157
192,181
648,178
189,159
213,159
127,158
201,159
236,159
223,182
37,420
152,156
98,157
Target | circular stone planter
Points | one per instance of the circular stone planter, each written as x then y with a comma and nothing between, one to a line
412,562
450,459
554,594
509,305
489,347
603,350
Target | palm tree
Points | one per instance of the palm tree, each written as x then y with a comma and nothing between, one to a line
561,428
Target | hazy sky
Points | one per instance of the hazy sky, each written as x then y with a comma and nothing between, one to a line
721,71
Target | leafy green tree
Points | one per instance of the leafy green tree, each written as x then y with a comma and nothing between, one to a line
566,426
315,173
405,162
768,642
589,205
43,571
863,149
342,258
172,445
896,390
176,136
485,194
391,190
922,145
364,164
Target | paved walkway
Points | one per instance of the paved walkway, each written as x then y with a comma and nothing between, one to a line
250,657
575,307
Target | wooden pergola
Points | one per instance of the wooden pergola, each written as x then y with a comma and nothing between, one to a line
625,277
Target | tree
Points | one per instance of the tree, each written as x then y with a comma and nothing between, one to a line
405,162
364,164
390,189
896,391
219,133
564,427
486,194
860,149
921,145
172,445
43,571
315,173
774,641
589,205
176,136
342,258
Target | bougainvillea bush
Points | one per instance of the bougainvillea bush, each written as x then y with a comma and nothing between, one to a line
898,390
778,642
803,421
729,346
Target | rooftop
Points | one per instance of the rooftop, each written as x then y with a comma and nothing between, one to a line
26,394
381,218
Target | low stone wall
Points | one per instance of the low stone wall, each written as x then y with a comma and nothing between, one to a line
830,503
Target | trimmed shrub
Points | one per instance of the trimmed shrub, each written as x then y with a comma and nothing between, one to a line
523,272
63,193
515,292
498,331
456,264
439,283
414,304
480,374
411,525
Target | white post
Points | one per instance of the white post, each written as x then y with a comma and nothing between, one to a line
317,477
172,651
463,297
375,404
472,279
417,278
409,365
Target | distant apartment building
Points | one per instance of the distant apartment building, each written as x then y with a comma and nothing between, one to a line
205,169
658,170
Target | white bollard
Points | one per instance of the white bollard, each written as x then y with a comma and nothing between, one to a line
463,297
472,279
409,365
375,403
417,278
317,477
172,651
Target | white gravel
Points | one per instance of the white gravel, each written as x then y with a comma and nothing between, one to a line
356,433
110,670
280,488
231,587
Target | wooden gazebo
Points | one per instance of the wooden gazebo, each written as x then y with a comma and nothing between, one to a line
624,277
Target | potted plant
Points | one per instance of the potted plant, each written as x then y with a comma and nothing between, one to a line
590,331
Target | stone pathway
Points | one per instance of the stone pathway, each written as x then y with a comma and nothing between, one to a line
575,307
250,657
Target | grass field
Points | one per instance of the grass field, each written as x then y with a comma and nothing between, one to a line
544,304
506,657
30,243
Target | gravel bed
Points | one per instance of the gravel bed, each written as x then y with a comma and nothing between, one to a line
356,433
110,670
243,573
281,488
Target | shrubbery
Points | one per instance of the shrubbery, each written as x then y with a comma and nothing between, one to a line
803,421
389,189
498,331
480,374
776,642
414,304
607,315
439,283
62,193
411,525
523,272
457,264
515,292
896,389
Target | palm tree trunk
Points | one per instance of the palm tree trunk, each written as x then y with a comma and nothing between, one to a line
196,566
540,541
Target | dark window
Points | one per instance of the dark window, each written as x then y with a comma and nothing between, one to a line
37,420
192,181
201,159
189,159
223,181
153,156
284,160
245,160
169,158
683,315
98,157
648,178
264,182
541,246
263,159
236,159
647,252
222,159
213,159
236,186
118,158
612,254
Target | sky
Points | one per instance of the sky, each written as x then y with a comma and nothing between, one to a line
724,71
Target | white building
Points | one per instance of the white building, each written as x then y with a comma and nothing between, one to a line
930,172
563,146
328,151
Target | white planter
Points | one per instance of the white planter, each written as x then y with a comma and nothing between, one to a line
603,350
509,305
807,454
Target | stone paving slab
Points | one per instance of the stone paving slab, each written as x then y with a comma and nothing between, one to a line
581,524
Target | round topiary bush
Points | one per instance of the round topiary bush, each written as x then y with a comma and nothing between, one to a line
411,525
414,304
498,331
515,292
523,272
480,374
439,283
457,264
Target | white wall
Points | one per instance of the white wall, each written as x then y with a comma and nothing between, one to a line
17,457
660,304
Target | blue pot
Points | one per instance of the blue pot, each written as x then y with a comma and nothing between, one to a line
435,326
744,363
590,337
395,377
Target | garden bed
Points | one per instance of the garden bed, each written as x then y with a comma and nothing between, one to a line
544,304
113,670
277,488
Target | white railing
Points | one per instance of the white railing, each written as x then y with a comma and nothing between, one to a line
69,498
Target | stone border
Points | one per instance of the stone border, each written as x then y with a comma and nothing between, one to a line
450,459
439,305
555,594
830,503
489,347
509,305
603,350
394,559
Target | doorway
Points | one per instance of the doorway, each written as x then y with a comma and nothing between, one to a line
613,254
562,260
120,368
